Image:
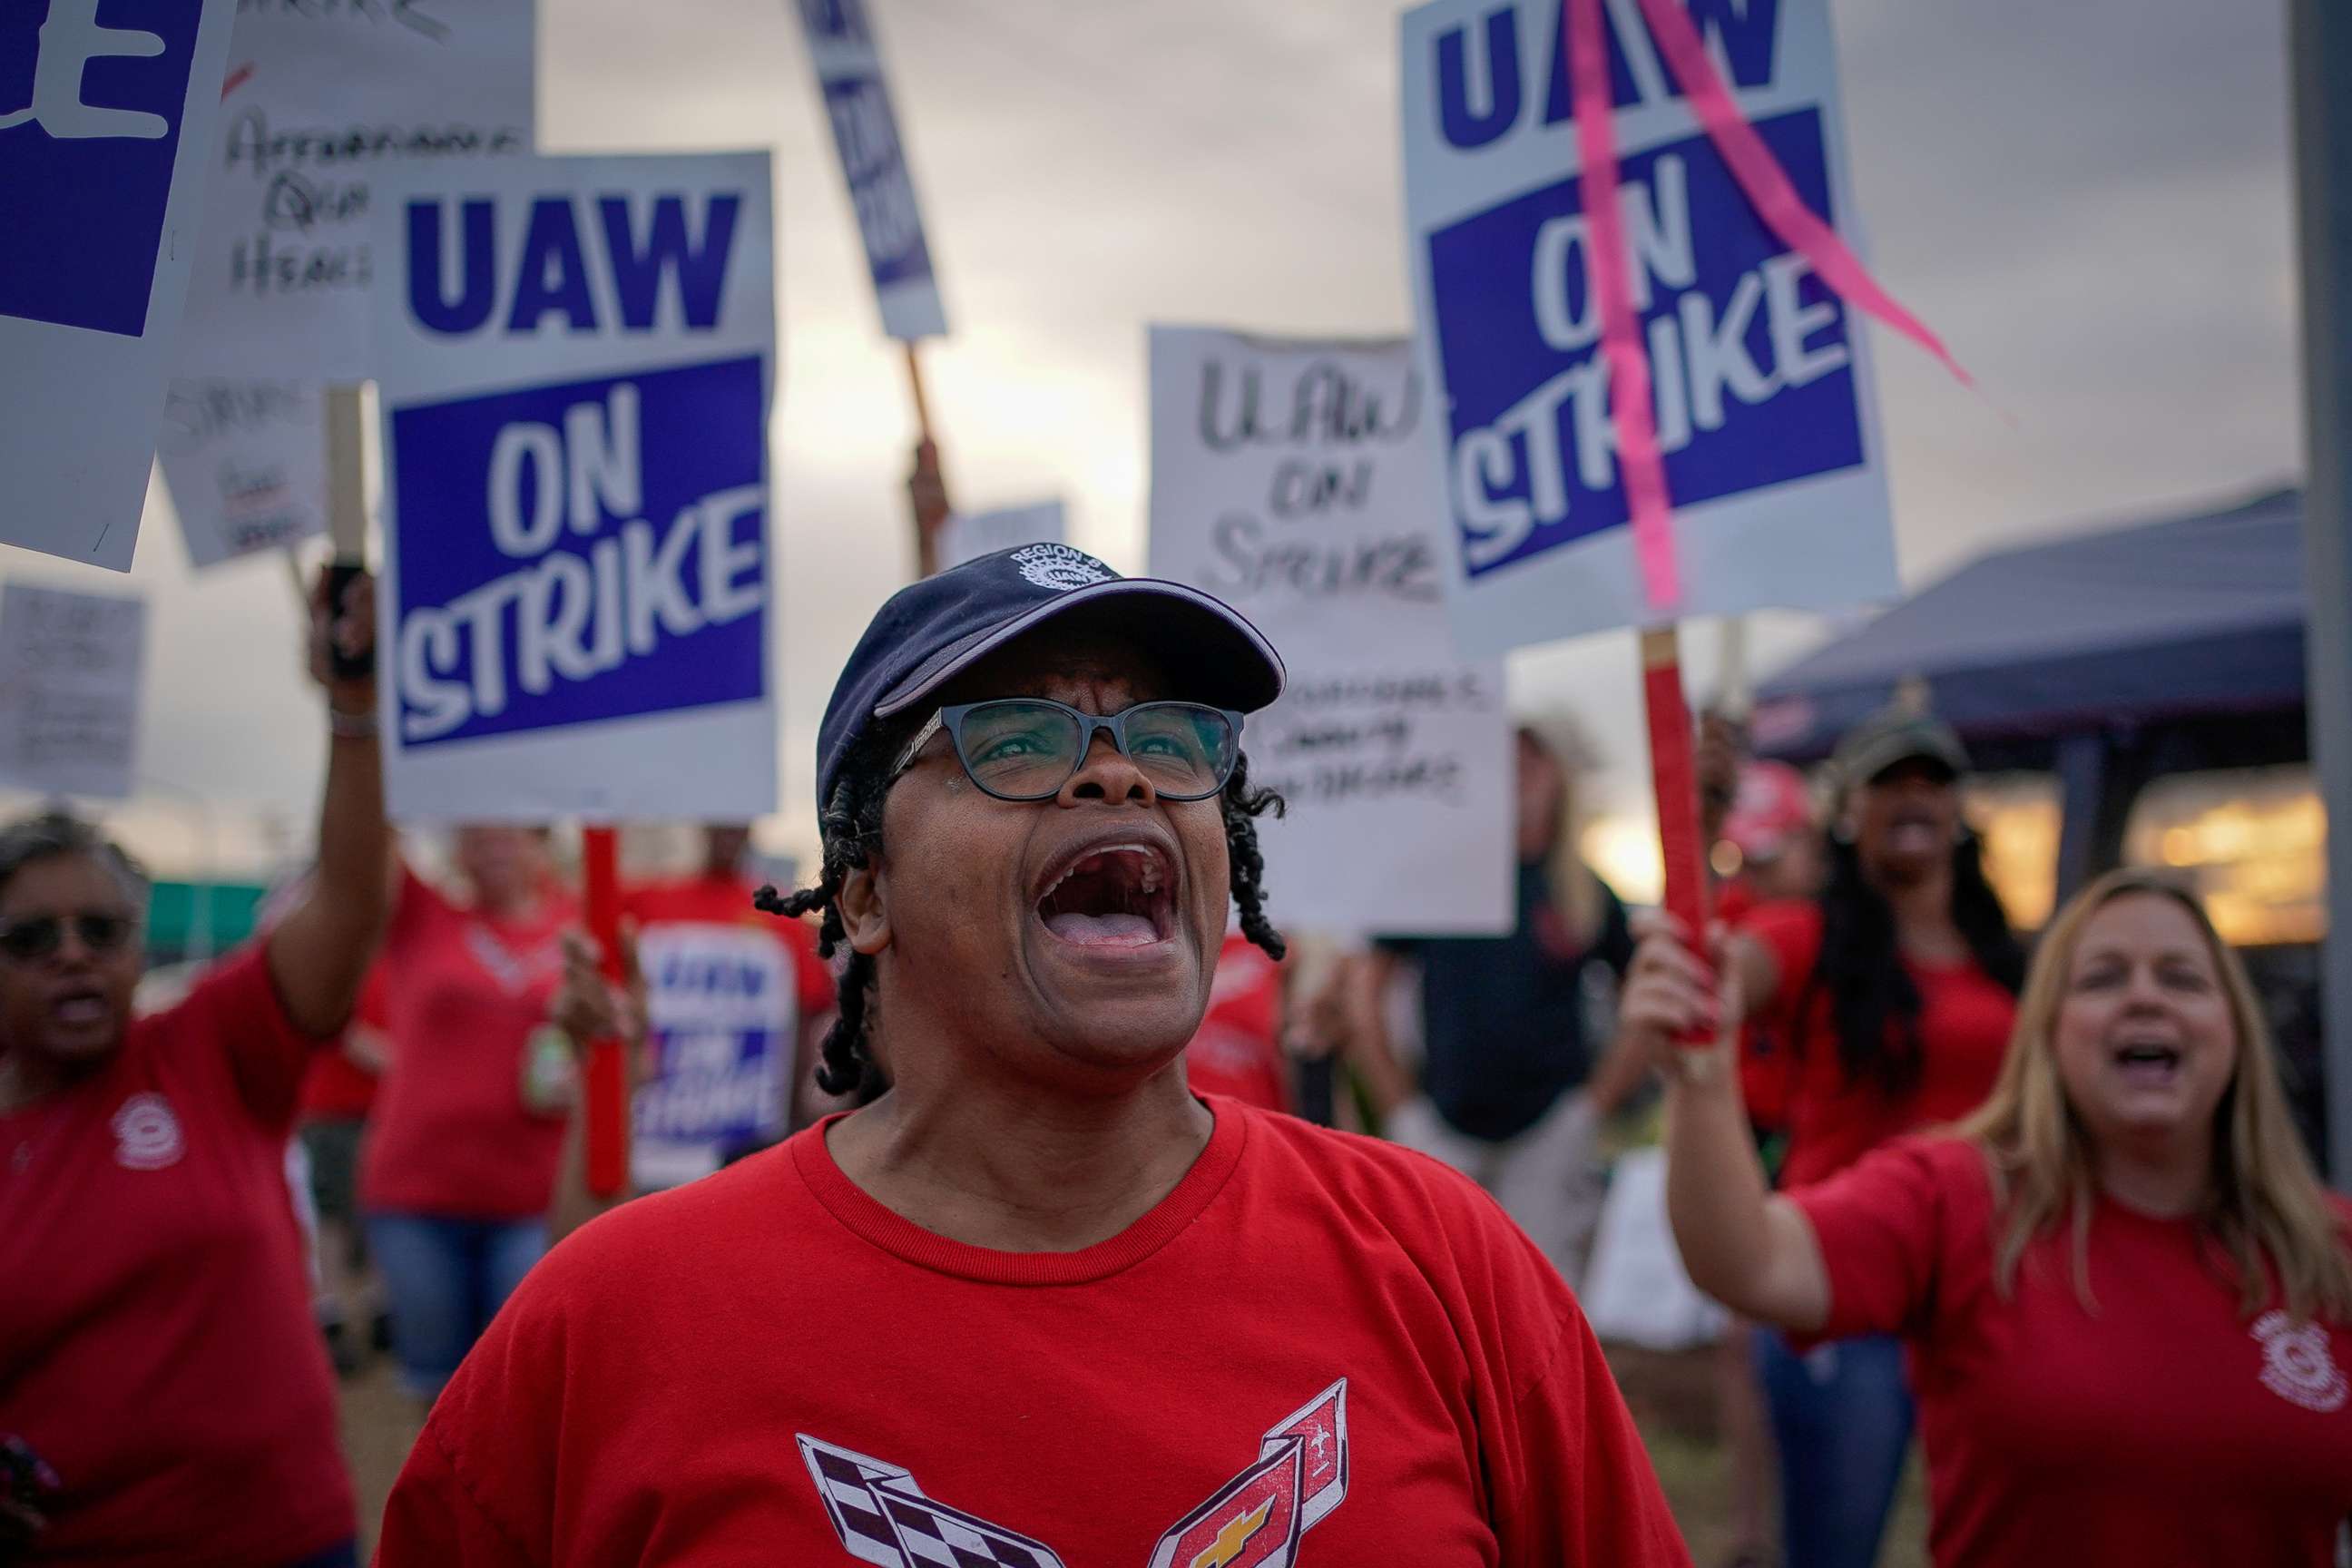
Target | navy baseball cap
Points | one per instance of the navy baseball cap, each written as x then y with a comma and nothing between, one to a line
931,632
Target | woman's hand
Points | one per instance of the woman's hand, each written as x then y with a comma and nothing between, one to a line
1672,996
589,1007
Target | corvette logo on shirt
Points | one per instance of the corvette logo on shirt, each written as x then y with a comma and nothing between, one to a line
1254,1521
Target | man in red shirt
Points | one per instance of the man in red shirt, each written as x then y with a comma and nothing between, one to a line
1039,1303
165,1400
737,1001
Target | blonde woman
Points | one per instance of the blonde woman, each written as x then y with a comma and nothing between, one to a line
2126,1297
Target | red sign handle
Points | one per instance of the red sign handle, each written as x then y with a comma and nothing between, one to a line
608,1077
1673,778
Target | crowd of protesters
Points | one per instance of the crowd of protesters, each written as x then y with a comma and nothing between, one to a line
1043,1074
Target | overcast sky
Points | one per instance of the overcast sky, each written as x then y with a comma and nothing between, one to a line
2089,201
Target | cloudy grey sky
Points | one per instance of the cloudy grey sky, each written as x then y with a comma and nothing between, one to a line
2088,200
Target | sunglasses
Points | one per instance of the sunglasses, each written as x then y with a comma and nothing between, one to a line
38,936
1025,748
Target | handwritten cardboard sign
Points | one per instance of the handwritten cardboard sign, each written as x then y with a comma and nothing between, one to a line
1289,478
69,676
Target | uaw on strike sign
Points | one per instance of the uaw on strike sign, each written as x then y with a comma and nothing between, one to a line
575,356
723,1012
1762,394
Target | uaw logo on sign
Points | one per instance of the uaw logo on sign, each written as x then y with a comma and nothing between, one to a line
89,128
1254,1521
1748,351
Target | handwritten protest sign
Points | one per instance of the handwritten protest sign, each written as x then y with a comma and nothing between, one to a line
965,537
319,102
720,1004
245,462
103,125
1761,388
1290,477
69,670
848,62
576,355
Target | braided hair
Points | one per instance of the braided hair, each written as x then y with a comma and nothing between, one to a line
851,828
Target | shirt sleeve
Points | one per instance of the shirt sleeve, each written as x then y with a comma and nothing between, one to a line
1574,1485
1880,1224
235,1012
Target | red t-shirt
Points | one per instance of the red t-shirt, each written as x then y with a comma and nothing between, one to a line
464,994
157,1344
728,990
1965,1016
2164,1430
1238,1050
336,1088
1312,1333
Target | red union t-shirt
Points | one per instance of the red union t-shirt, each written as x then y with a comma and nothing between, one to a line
462,996
336,1088
2166,1430
1317,1348
157,1344
1238,1051
1965,1016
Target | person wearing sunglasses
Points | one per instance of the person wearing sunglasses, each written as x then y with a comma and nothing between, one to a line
1048,1305
163,1395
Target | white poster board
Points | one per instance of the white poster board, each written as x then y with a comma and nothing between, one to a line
1288,477
968,536
245,462
318,100
70,674
848,62
575,356
1765,406
103,131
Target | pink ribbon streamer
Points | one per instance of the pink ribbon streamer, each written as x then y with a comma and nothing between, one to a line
1767,184
1649,506
1649,509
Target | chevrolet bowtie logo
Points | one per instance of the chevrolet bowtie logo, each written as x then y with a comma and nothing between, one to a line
1230,1539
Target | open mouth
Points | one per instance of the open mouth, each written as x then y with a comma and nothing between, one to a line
2148,1061
1121,895
78,1009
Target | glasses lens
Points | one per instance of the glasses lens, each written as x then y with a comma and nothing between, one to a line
101,933
35,938
1024,751
1185,750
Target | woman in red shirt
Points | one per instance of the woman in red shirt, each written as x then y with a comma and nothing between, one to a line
164,1399
2128,1298
1039,1303
460,1162
1886,1001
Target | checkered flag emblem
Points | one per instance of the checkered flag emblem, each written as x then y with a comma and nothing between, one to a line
883,1518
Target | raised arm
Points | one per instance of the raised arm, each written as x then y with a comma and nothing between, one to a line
320,952
1747,1249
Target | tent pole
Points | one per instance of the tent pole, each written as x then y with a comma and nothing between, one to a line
2319,62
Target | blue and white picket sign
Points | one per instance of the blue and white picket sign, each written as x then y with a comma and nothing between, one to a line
724,1015
576,601
1764,401
104,123
848,62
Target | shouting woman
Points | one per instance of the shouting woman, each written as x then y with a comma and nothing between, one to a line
2126,1297
165,1397
1037,1303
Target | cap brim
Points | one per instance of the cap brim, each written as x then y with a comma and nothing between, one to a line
1873,764
1195,634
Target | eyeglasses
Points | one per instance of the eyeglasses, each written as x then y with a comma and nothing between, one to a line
41,935
1025,748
